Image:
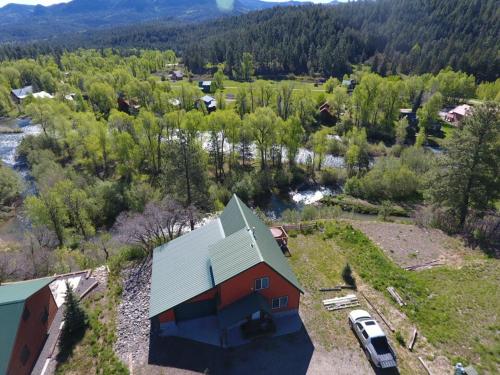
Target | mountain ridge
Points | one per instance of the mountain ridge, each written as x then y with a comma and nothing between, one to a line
29,22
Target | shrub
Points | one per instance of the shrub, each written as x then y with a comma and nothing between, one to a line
347,276
290,216
332,176
400,339
309,213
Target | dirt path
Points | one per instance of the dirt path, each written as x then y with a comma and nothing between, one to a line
410,245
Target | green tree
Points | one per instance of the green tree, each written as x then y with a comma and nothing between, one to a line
294,137
331,84
103,97
262,123
75,322
468,175
247,68
48,209
10,185
401,131
219,79
428,115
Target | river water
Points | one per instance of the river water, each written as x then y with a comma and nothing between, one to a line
12,229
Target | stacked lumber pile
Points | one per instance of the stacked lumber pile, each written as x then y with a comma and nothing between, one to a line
339,303
396,296
424,266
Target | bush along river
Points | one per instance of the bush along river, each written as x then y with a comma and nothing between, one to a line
12,132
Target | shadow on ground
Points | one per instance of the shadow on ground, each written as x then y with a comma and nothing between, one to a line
290,354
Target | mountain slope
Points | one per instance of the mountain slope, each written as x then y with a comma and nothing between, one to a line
27,22
394,36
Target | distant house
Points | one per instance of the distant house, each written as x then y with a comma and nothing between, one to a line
209,102
175,102
27,309
458,113
176,75
205,86
325,115
224,283
130,107
408,114
42,95
350,84
18,95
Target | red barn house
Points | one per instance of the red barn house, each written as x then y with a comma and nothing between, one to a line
224,283
27,309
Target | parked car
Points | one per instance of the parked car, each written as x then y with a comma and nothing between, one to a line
373,339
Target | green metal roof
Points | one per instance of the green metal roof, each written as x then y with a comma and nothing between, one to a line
12,299
201,259
233,255
181,268
238,214
242,308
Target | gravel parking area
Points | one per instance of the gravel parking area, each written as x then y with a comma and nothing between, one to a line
409,245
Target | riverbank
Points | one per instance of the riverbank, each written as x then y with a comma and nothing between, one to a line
9,130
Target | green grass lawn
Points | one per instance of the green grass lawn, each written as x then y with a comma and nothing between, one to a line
456,309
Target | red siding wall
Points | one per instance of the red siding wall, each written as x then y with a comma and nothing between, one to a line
32,332
244,283
167,316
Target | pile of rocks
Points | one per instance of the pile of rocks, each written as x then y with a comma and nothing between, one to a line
100,274
133,325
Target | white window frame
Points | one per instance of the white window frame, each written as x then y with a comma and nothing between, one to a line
282,302
260,280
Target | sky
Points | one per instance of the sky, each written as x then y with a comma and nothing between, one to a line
51,2
32,2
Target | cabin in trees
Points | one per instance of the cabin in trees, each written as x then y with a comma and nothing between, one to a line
350,84
458,113
209,102
129,106
325,115
18,95
205,86
176,75
27,310
224,283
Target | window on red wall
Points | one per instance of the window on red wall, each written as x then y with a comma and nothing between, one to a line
25,355
279,302
262,283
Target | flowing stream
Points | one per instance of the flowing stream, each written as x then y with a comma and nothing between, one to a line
12,229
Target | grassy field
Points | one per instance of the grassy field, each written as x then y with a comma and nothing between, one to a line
455,309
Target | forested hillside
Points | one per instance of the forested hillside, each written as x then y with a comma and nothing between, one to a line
394,36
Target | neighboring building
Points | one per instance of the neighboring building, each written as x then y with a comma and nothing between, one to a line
206,86
42,95
209,102
130,107
27,309
458,113
350,84
176,75
325,115
18,95
224,283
